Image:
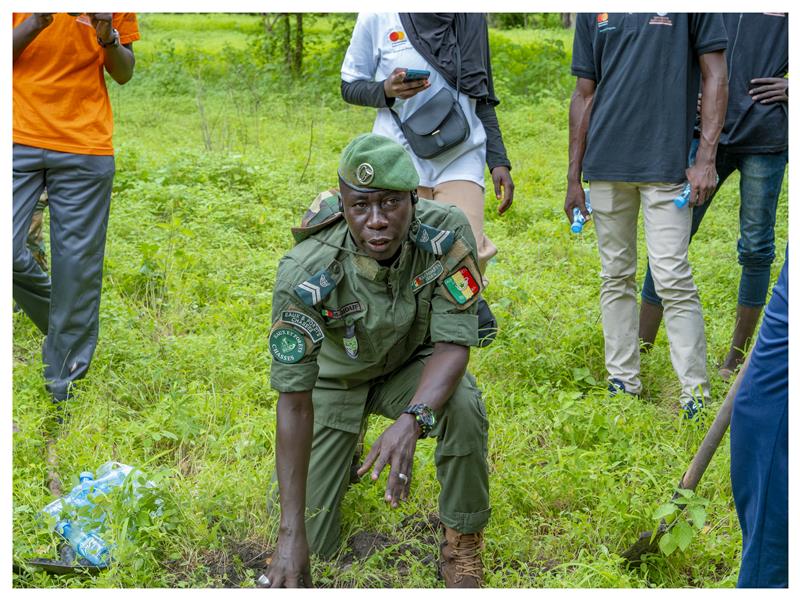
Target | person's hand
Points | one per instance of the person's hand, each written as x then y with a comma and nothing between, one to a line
501,177
102,25
395,85
576,198
768,90
702,177
290,566
394,447
41,20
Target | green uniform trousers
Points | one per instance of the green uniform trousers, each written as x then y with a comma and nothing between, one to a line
461,431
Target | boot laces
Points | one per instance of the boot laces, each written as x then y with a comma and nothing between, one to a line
466,554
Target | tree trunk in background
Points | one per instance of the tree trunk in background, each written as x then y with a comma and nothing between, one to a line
297,62
568,20
287,41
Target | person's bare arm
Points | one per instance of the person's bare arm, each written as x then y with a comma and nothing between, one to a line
26,32
580,110
396,445
290,565
703,174
119,60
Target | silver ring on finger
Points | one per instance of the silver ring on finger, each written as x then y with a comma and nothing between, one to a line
402,477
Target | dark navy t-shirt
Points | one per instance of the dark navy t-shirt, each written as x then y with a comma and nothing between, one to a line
758,46
648,76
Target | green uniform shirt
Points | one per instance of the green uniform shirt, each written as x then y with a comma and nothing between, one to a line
341,321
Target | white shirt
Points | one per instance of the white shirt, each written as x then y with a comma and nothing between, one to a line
379,45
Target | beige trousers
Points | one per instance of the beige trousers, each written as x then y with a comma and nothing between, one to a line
469,197
666,228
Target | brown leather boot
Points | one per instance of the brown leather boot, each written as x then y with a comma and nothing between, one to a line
746,321
649,322
461,564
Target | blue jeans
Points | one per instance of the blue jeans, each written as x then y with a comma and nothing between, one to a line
761,177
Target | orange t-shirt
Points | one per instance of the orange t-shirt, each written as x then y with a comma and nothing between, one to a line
60,97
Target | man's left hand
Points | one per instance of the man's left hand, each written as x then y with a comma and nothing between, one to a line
501,177
102,25
395,447
767,90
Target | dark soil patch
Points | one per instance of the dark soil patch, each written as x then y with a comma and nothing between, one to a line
422,547
228,566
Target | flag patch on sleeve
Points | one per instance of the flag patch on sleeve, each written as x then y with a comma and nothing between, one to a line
462,285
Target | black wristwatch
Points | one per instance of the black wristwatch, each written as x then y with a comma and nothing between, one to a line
114,40
424,416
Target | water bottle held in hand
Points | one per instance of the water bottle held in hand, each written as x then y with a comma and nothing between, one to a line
578,220
686,193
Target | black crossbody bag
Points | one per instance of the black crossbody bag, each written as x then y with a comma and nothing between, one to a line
439,124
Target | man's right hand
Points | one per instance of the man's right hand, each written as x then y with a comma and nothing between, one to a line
576,198
290,566
395,85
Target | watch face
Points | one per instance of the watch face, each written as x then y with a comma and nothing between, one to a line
424,416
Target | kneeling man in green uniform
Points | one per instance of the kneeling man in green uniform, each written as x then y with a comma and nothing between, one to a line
373,312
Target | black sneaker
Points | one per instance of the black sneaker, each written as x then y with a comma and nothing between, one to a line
487,324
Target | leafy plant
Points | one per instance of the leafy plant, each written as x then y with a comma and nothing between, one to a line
685,516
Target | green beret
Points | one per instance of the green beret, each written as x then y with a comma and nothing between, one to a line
374,162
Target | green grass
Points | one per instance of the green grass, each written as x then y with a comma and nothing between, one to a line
180,382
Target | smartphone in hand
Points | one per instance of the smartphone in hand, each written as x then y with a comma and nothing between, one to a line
416,74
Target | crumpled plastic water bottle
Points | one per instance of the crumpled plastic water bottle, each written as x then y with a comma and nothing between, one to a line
89,545
77,498
80,532
578,220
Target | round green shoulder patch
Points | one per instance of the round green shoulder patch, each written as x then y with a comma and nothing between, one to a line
287,346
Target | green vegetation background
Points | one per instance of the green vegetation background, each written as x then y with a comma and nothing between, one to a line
218,154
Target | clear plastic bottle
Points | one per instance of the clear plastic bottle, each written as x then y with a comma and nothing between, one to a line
681,200
578,220
686,193
110,475
78,497
88,545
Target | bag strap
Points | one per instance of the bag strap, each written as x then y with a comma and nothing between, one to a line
458,59
458,75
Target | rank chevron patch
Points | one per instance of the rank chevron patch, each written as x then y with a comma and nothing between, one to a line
433,240
313,290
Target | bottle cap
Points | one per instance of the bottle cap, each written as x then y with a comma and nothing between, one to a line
86,475
681,201
577,227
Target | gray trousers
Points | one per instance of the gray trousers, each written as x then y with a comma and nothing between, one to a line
64,306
